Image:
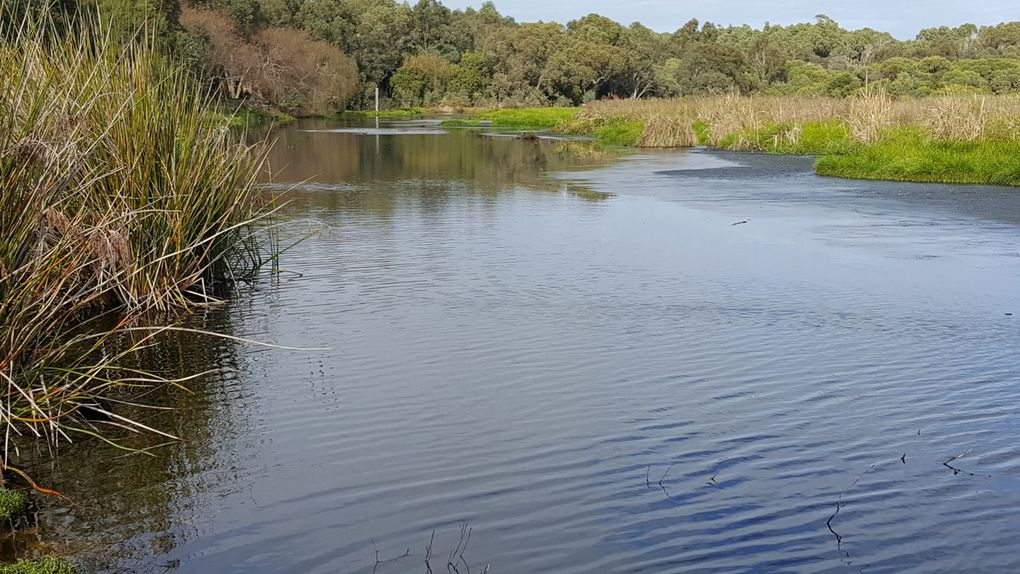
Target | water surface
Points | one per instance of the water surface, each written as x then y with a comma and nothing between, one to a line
589,361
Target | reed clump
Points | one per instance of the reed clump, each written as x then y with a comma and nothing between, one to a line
118,198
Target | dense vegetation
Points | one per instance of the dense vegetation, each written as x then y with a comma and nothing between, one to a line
950,139
118,199
308,56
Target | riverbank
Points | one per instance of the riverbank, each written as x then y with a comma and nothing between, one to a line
946,139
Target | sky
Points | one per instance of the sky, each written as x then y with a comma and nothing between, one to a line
902,18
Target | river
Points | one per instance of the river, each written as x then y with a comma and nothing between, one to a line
676,361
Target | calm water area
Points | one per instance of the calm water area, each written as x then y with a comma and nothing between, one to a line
653,361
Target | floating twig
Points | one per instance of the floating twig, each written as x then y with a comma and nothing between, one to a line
957,470
379,561
839,501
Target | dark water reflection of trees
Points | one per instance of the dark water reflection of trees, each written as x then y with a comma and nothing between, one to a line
431,166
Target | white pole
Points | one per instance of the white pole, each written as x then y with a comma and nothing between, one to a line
377,99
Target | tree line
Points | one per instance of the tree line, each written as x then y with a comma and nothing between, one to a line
312,56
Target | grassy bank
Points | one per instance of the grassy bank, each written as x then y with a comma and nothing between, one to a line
910,154
398,113
949,139
517,119
118,198
611,131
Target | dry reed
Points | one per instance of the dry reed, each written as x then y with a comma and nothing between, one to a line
116,198
734,120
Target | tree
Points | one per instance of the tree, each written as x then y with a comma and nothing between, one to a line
283,67
1001,37
766,61
470,76
422,78
431,29
642,48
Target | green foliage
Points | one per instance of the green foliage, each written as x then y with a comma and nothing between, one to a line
481,58
422,79
13,504
401,113
47,565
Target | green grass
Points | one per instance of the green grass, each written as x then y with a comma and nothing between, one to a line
399,113
47,565
908,154
13,505
902,154
529,118
616,131
702,131
621,132
523,119
810,138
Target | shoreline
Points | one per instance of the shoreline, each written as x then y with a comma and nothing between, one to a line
844,147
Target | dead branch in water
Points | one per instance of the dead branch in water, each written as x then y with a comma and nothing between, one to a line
457,554
957,470
839,501
428,552
379,561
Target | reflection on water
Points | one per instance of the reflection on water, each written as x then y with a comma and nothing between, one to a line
361,157
630,384
133,507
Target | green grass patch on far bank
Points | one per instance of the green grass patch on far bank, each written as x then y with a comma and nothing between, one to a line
529,118
809,138
397,113
522,119
909,154
616,131
621,132
900,154
702,132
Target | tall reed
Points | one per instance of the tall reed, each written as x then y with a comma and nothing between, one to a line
117,198
734,121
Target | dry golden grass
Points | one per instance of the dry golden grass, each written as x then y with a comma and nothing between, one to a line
668,123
